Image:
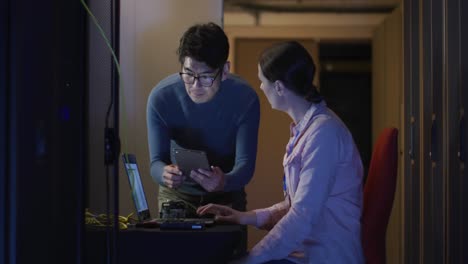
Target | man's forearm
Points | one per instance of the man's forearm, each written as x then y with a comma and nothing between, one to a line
156,170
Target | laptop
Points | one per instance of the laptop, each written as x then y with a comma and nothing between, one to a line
141,204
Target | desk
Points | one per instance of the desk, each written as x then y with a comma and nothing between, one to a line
215,244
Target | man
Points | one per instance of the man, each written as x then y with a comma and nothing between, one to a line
203,108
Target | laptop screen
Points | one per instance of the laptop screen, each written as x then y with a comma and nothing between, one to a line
136,186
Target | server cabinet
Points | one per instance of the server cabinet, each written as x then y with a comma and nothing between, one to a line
435,99
412,130
432,159
43,156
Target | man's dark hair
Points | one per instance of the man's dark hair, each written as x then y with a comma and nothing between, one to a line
205,43
292,64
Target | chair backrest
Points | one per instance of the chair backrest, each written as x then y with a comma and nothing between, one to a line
379,192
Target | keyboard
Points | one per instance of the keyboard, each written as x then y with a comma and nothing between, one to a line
181,224
178,223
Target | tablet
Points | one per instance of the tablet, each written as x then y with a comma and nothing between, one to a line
189,159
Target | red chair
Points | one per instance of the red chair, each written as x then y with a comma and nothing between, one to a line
379,192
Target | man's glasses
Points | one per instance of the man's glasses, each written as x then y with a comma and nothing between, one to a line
204,80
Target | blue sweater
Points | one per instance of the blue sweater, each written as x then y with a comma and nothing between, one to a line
226,128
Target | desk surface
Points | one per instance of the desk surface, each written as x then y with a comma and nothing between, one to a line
214,244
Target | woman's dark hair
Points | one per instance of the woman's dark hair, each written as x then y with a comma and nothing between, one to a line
205,43
290,63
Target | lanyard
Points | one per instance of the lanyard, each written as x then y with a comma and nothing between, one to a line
293,143
289,149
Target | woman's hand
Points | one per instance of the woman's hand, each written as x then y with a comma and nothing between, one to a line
222,213
227,214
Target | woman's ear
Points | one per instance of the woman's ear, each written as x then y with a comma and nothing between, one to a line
279,88
226,69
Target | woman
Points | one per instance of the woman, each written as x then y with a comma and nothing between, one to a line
319,219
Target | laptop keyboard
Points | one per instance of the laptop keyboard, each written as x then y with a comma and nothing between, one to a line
177,223
181,224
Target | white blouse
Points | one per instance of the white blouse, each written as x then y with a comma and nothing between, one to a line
319,220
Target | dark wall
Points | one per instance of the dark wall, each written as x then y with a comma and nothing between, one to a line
45,86
346,84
